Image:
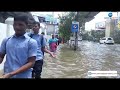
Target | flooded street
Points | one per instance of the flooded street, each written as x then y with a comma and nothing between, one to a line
49,28
91,56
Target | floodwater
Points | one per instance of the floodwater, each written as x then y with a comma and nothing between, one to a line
90,56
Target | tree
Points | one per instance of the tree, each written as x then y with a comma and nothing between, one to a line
116,36
66,22
65,26
97,34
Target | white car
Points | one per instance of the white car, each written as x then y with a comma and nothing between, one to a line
106,40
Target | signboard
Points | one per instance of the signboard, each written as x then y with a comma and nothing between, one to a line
110,14
111,17
75,26
49,18
100,25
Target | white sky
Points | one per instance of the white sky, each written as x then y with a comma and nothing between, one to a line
98,18
44,13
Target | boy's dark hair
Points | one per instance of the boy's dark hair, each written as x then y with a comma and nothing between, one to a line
37,23
23,18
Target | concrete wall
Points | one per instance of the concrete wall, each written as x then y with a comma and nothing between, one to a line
50,29
110,26
3,34
5,31
107,31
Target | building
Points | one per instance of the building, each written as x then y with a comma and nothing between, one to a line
100,25
111,25
49,24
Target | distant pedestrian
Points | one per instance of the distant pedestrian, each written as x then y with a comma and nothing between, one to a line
44,36
57,37
53,44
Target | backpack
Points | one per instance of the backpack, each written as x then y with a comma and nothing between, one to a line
31,35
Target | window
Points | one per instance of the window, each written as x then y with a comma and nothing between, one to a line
109,38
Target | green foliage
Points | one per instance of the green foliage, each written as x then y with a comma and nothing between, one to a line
65,26
66,22
94,35
97,34
116,36
85,36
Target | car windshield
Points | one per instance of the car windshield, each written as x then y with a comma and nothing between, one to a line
109,38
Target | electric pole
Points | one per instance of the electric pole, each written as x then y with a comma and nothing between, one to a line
76,36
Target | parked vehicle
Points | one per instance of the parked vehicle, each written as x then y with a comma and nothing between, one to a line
106,40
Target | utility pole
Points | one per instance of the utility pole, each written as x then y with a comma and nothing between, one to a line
76,34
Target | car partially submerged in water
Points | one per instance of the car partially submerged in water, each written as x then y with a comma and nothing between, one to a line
106,40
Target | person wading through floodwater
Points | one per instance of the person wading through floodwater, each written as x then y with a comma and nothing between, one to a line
53,42
37,69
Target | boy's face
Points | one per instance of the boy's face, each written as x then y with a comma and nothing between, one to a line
36,28
19,27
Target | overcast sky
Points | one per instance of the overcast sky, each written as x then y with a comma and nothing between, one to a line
98,18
